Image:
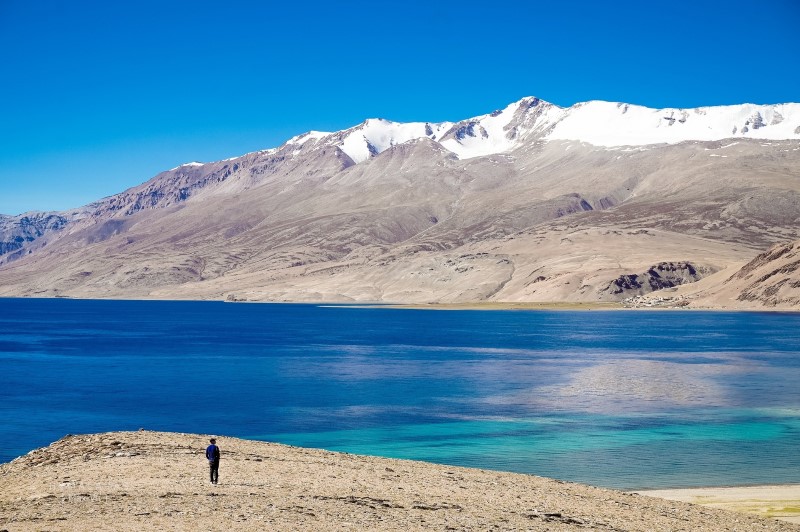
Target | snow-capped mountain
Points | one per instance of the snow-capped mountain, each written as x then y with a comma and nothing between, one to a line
533,202
496,132
597,122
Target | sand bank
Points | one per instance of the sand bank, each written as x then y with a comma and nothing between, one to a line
158,481
782,502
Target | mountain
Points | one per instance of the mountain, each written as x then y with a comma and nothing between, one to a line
533,202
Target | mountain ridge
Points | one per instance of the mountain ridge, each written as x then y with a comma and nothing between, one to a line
496,207
739,114
744,115
731,121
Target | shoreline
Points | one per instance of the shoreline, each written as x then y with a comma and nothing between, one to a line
779,501
472,305
159,481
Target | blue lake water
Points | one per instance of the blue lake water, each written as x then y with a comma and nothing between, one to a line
619,399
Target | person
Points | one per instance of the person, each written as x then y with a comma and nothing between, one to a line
212,453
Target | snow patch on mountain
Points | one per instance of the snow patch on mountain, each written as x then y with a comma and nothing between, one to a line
619,124
309,135
482,135
502,130
191,164
376,135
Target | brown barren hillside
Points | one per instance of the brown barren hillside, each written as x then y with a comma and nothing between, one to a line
772,278
771,281
158,481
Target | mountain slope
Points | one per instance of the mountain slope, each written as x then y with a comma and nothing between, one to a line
498,207
771,280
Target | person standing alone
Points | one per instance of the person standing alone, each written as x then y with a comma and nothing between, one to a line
212,453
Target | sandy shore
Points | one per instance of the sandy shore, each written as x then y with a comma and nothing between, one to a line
158,481
782,502
511,305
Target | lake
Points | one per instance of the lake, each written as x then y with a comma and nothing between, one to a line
624,399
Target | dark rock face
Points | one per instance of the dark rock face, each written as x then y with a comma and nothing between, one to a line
657,277
16,231
758,121
470,129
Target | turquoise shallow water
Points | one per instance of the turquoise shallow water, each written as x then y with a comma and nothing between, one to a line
741,447
619,399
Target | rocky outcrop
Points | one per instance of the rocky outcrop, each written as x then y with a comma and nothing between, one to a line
657,277
772,279
16,231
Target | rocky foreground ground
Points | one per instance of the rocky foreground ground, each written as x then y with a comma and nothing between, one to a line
158,481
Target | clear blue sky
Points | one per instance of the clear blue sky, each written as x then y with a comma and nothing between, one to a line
100,96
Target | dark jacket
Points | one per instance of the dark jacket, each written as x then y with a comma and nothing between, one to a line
212,453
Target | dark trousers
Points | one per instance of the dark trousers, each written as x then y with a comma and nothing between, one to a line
213,466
